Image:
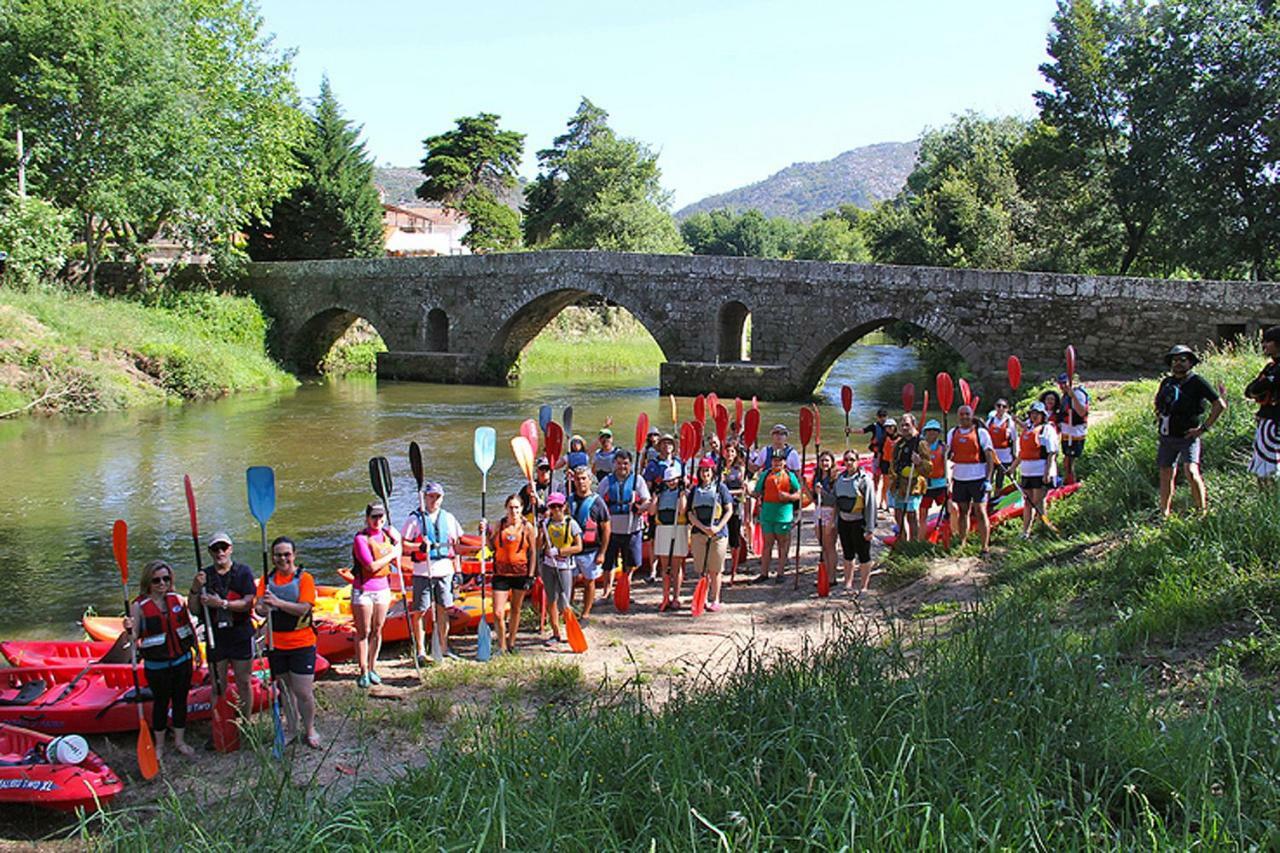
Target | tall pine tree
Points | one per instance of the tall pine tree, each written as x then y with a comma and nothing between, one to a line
335,212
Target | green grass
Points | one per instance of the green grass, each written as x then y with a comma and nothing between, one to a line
596,342
95,354
1041,719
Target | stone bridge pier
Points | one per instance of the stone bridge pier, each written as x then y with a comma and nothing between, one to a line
466,319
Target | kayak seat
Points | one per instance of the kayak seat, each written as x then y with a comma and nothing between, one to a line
27,693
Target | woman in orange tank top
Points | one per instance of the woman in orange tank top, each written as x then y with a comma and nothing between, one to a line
512,541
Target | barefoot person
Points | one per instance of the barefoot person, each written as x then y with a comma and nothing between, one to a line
165,637
592,516
710,509
1265,391
512,541
558,541
375,553
287,598
777,491
1179,404
228,588
1037,452
855,495
431,536
973,460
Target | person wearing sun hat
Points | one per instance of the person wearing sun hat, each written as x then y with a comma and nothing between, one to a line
1179,402
431,536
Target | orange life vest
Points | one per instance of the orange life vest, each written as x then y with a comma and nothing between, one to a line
1029,444
886,450
938,461
511,550
965,446
999,433
379,548
774,483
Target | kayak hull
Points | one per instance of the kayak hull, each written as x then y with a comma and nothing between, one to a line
83,652
28,777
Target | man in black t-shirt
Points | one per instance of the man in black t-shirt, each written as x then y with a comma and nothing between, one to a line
1179,403
228,590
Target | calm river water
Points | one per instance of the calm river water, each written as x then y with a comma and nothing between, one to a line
67,479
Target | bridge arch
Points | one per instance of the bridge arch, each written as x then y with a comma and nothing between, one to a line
524,321
733,344
317,335
436,330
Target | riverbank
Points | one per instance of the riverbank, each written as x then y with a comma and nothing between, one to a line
590,341
67,353
1113,689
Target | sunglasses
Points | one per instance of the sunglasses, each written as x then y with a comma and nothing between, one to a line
162,579
219,547
288,555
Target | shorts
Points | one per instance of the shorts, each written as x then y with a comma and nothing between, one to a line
292,661
937,495
1172,451
372,597
735,528
558,583
853,540
232,645
512,583
671,539
625,545
1072,448
910,503
775,528
884,467
649,526
427,591
1032,483
708,553
827,515
969,491
584,566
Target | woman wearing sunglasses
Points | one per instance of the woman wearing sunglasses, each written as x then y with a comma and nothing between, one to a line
165,638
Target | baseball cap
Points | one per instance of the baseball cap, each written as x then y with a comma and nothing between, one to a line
555,499
433,488
220,536
375,509
707,462
1040,407
607,431
543,462
1063,378
933,424
653,431
782,428
672,473
890,422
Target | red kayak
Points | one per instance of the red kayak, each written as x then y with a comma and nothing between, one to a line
334,640
94,699
83,652
53,772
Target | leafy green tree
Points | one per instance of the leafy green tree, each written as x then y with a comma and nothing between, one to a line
335,211
37,236
832,238
746,235
596,190
143,114
468,169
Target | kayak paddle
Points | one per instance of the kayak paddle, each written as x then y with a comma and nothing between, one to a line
544,417
226,735
713,400
737,414
573,631
567,420
148,765
942,384
966,394
383,485
1071,362
755,403
700,409
555,444
751,428
483,450
846,403
675,412
1014,367
260,481
419,477
908,397
722,424
529,429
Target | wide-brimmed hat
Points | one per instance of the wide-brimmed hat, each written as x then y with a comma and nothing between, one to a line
1181,349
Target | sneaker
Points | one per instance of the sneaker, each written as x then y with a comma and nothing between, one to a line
760,579
374,678
713,607
452,655
549,642
362,682
423,660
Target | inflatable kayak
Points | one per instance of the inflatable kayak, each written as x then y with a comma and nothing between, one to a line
99,652
334,640
53,772
1008,505
91,700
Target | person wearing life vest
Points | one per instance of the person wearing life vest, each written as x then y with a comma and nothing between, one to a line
735,480
592,515
1179,403
1004,435
535,501
287,598
1073,422
651,444
936,493
973,460
228,589
512,540
878,429
907,477
375,554
1037,452
627,498
559,539
431,535
602,461
165,637
777,445
654,473
778,490
820,488
855,502
710,508
1265,391
671,536
884,462
577,457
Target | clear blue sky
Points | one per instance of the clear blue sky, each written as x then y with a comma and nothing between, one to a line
726,92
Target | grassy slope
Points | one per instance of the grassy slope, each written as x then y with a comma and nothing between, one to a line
1091,702
583,341
115,353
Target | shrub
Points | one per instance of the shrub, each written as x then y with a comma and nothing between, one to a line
37,237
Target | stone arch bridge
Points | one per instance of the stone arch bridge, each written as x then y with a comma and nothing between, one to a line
466,319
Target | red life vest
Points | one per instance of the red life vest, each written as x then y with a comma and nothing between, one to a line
938,461
886,449
1029,444
165,633
999,433
965,446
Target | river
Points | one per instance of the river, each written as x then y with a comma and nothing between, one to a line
67,479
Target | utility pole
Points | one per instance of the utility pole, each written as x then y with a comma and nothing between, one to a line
22,168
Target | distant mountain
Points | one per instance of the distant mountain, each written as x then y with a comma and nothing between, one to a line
862,176
399,185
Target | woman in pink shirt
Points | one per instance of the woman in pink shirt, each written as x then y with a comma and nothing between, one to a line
375,554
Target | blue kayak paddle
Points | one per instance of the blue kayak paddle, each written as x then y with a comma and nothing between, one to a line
486,445
261,482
